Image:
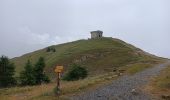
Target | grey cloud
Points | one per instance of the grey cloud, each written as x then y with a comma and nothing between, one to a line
27,25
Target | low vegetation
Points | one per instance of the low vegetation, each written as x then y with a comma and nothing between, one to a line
51,49
137,67
160,85
96,57
163,81
75,72
45,91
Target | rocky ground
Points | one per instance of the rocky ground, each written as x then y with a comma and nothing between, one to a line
125,88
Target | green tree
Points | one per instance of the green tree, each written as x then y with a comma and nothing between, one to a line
27,76
76,72
48,49
54,50
7,70
39,71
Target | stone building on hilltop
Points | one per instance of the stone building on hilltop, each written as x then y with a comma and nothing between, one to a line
96,34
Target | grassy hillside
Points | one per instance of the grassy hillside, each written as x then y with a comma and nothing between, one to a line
97,55
100,56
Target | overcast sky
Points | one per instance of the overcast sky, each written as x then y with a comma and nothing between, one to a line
28,25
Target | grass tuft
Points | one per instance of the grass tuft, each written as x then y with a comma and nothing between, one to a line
134,68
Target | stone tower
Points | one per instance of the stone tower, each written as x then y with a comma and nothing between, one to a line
96,34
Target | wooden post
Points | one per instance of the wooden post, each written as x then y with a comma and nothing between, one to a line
58,80
58,86
58,70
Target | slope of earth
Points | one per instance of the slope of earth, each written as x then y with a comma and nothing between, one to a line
124,88
97,55
159,86
45,91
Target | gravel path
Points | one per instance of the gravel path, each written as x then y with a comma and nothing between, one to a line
124,88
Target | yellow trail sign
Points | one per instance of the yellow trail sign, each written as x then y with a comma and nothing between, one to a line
59,69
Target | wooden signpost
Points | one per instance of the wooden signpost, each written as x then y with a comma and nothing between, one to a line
58,70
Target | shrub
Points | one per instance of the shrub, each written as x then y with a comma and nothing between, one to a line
50,49
75,72
46,79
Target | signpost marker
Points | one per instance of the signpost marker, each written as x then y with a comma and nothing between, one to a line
58,70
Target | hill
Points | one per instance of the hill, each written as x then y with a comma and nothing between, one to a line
97,55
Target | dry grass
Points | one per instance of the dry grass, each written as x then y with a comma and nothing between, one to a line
160,85
137,67
94,54
24,93
45,91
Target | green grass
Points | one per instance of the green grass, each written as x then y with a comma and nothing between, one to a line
45,91
163,80
95,54
98,56
134,68
159,86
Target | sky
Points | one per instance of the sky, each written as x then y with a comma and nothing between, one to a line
29,25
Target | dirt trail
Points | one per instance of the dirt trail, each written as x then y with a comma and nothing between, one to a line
124,88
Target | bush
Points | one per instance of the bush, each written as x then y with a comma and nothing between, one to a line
76,72
50,49
46,79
